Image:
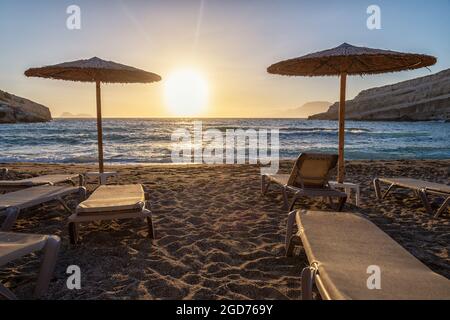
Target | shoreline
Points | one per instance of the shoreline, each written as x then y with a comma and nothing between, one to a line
172,164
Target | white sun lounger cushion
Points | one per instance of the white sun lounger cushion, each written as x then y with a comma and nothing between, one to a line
114,198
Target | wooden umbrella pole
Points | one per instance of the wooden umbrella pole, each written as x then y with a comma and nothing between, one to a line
341,169
99,128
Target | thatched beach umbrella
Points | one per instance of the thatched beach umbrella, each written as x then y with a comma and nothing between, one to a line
349,60
98,71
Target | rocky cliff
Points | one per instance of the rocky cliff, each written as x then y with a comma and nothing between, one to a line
420,99
15,109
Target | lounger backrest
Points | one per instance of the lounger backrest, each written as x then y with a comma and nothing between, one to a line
3,173
312,170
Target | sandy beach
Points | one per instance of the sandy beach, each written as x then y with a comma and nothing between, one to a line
216,236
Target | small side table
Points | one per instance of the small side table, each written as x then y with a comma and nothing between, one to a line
348,187
102,177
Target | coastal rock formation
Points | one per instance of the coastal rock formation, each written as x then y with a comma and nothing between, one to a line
307,109
420,99
15,109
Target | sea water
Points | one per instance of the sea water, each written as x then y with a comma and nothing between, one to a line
129,141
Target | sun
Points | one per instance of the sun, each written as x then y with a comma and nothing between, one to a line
186,93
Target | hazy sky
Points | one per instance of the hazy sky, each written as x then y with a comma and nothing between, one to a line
230,43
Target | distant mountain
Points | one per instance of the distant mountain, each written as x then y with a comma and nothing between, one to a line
420,99
14,109
71,115
308,109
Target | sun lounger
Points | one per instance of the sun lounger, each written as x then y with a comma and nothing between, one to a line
420,187
52,179
3,172
14,246
344,249
110,202
12,203
309,178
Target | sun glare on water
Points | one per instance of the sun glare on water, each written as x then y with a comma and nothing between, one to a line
186,93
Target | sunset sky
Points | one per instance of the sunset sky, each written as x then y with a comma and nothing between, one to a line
225,45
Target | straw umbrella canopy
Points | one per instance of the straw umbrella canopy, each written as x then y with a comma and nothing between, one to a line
347,60
98,71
